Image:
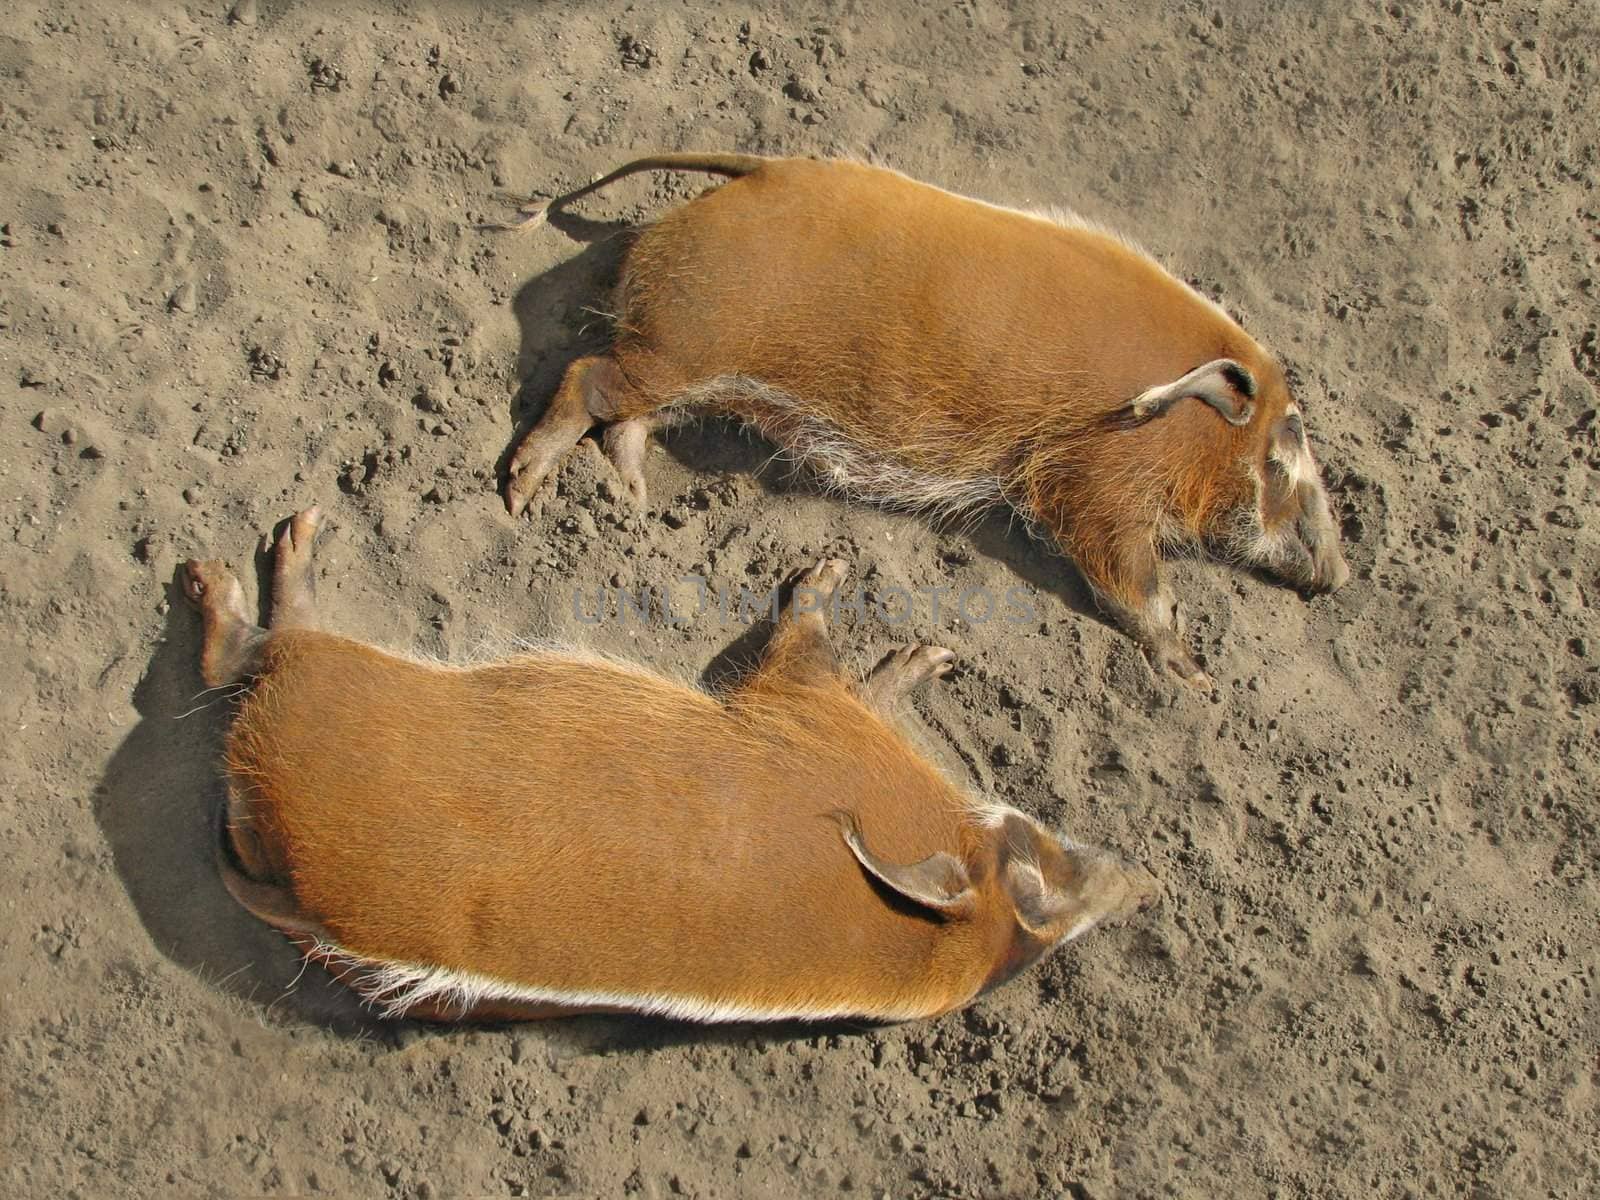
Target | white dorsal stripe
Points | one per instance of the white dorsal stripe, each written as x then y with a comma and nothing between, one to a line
392,989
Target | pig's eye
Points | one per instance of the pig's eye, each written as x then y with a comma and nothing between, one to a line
1288,440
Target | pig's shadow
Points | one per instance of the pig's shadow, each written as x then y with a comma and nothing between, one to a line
157,806
560,316
558,320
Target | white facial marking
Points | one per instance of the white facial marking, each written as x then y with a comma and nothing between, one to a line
1082,926
1294,461
991,813
1295,464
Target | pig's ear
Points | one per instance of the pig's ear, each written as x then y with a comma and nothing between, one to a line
1225,385
1060,890
939,882
1038,905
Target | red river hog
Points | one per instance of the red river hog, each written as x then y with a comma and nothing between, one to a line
559,833
930,351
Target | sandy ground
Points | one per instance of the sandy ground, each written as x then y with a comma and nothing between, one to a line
238,273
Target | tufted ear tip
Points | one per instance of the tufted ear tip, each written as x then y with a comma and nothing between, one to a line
1238,376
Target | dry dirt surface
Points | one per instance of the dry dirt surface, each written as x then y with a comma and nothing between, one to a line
239,272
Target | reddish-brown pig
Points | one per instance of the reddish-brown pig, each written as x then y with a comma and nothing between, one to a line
931,351
559,833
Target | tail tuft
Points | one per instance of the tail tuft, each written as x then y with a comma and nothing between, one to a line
530,216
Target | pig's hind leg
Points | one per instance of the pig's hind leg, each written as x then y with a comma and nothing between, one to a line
230,641
625,444
593,390
293,580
